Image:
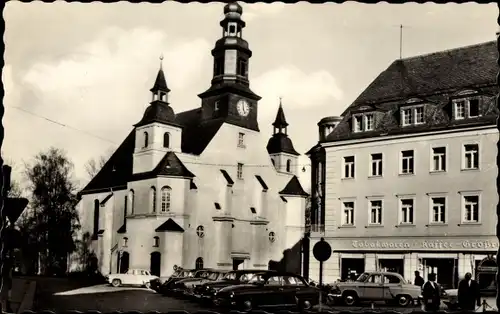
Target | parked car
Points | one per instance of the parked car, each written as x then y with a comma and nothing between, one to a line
236,277
188,285
269,289
376,286
165,288
157,282
179,286
139,277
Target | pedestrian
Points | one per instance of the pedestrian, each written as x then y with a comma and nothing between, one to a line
431,293
419,281
468,293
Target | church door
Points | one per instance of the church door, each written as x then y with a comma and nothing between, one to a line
123,262
155,263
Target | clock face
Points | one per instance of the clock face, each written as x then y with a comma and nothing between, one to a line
243,107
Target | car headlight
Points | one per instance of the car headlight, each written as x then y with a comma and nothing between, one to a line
231,295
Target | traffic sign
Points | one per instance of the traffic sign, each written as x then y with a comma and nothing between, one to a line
322,250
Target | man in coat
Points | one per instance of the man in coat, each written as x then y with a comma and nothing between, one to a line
431,293
468,293
419,281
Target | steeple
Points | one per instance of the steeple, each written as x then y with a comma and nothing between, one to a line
280,142
280,124
160,89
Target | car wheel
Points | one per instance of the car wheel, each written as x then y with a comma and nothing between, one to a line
403,300
116,282
304,305
247,305
350,298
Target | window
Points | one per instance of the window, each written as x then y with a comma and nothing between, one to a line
407,162
166,191
438,210
363,122
376,212
348,219
471,156
199,263
375,279
232,29
274,281
391,279
125,208
412,115
288,165
407,211
216,105
358,123
132,201
473,108
219,66
146,139
376,165
470,208
153,199
166,140
369,122
466,108
96,217
239,171
200,231
156,241
349,167
272,237
242,67
241,140
460,110
124,241
439,159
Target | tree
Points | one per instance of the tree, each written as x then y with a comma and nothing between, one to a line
53,220
94,165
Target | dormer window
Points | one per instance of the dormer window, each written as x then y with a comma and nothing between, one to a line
412,115
466,108
363,122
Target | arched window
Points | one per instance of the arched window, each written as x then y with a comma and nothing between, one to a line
146,139
153,199
125,241
166,140
288,165
165,198
272,237
156,241
96,217
131,198
200,231
199,263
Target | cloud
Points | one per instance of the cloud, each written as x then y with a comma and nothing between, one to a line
299,90
255,10
102,87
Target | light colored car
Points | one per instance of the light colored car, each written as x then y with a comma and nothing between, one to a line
376,286
136,277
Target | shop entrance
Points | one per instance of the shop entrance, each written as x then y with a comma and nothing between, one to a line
446,270
392,265
351,268
486,274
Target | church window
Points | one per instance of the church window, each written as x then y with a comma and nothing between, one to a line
146,139
216,105
241,139
219,66
125,241
156,241
239,171
272,237
125,209
232,30
242,67
166,140
200,231
165,199
153,199
199,263
132,201
288,165
96,217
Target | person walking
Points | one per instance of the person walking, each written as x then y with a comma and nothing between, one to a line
419,281
431,293
468,293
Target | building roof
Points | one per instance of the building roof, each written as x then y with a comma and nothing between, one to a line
281,143
158,111
169,226
294,188
432,79
170,166
280,121
160,83
106,199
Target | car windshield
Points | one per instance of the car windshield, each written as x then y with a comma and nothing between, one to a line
200,274
187,274
213,276
256,279
246,277
229,276
363,277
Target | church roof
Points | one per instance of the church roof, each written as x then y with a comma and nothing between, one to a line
160,83
280,121
281,143
170,165
294,188
158,111
106,199
169,225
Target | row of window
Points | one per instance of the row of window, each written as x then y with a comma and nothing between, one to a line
470,160
166,140
241,67
166,204
463,108
470,211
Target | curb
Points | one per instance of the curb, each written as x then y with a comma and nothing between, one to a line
28,298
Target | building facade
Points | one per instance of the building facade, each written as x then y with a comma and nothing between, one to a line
198,189
405,179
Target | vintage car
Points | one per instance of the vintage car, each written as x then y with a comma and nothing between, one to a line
138,277
268,290
156,283
165,288
236,277
176,286
376,286
188,285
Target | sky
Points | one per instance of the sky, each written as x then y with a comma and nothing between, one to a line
77,76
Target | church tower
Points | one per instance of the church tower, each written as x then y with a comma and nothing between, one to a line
283,155
229,97
157,132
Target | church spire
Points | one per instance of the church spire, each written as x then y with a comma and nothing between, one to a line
280,123
160,89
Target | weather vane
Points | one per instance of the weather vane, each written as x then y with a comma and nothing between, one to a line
161,60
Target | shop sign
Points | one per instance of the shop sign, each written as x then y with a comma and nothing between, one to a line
426,244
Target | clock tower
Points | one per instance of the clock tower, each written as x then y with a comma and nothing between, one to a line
229,97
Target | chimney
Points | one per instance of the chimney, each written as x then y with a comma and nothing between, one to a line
326,126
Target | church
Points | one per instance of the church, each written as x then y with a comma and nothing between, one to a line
199,188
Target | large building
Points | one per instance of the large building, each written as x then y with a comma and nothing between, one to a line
199,189
405,179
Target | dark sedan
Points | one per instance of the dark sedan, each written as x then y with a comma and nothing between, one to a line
268,290
176,287
165,288
156,283
236,277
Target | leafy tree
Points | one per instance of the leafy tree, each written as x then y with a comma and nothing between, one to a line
53,220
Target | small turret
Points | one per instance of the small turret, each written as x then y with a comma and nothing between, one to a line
326,126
